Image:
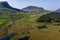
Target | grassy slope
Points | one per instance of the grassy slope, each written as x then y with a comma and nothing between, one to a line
29,24
51,33
31,18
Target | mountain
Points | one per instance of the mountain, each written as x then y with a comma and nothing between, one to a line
58,10
5,5
33,9
8,13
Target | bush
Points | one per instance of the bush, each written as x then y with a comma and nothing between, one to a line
50,17
42,27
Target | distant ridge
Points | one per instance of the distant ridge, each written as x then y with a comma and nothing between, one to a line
33,9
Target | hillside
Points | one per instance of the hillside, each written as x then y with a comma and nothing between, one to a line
50,17
9,13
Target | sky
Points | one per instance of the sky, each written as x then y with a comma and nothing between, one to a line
46,4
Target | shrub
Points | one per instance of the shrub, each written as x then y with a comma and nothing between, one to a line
42,27
50,17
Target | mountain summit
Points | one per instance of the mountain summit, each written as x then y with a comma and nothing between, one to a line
33,9
4,4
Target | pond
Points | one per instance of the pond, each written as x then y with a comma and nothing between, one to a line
8,37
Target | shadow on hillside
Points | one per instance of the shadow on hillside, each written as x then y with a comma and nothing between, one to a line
24,38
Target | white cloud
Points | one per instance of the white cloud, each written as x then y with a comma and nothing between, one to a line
3,0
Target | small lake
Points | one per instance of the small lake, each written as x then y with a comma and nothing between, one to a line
8,37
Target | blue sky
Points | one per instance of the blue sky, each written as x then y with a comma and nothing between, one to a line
46,4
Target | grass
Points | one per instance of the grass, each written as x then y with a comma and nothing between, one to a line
51,33
16,37
21,28
31,18
2,21
29,24
44,35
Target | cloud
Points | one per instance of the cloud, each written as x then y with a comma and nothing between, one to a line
3,0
